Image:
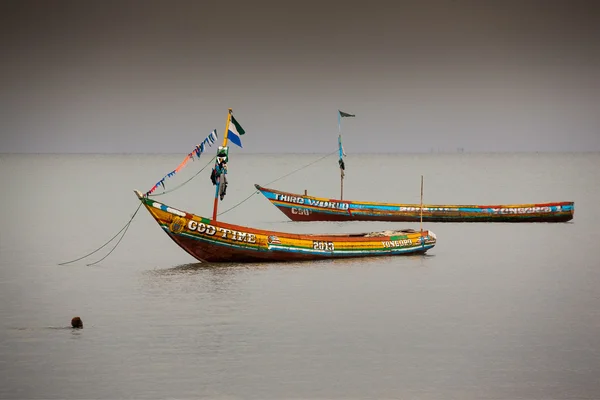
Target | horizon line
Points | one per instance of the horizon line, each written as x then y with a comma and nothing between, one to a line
317,153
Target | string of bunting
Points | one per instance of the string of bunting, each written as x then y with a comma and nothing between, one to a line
198,150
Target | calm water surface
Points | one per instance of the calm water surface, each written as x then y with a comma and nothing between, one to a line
494,311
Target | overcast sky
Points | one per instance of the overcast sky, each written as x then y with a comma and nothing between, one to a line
158,76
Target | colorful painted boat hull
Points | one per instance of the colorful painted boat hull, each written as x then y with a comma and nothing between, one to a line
299,207
217,241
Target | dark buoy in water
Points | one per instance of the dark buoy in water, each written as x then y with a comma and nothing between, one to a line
77,323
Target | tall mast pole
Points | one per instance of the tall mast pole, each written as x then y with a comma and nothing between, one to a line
421,207
216,204
341,155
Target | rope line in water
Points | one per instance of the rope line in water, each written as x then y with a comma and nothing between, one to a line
111,239
281,177
121,238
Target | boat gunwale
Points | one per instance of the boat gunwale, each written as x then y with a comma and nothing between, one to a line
350,237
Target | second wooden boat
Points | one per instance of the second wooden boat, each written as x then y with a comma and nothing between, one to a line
301,207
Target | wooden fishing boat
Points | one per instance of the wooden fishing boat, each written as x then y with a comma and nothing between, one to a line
216,241
308,208
301,207
207,239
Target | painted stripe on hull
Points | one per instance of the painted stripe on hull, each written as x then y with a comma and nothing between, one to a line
329,216
354,253
167,209
204,249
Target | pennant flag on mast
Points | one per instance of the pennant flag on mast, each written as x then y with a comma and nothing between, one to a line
342,154
198,150
341,115
235,131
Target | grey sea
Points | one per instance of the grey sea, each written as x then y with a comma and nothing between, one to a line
493,311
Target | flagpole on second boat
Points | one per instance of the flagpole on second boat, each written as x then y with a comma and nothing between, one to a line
421,209
216,203
341,150
341,155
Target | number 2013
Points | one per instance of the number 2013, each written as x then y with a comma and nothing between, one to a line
318,245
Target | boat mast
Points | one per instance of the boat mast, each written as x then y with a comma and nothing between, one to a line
421,208
216,204
341,150
341,155
341,184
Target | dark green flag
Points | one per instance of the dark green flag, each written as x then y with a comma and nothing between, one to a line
238,127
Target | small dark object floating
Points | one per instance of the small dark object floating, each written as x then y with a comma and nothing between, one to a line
77,323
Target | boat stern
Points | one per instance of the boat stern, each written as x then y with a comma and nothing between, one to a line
429,238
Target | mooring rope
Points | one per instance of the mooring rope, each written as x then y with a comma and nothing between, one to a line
307,165
111,239
121,238
281,177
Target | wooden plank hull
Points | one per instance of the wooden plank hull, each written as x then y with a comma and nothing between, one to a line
217,241
299,207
